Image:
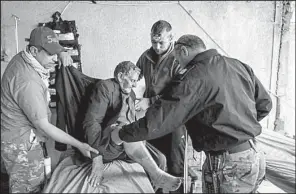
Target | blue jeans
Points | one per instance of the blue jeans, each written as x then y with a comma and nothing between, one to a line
240,172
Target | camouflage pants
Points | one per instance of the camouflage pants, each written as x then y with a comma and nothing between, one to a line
24,163
240,172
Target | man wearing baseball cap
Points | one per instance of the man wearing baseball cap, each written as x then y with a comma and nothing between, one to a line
25,113
47,39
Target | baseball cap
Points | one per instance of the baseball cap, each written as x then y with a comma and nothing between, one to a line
47,39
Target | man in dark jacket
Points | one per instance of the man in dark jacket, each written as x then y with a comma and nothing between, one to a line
113,102
221,102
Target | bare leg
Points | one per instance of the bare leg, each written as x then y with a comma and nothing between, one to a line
139,153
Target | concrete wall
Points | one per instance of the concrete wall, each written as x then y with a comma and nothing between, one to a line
111,32
286,72
290,99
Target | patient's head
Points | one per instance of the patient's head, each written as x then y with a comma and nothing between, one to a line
127,75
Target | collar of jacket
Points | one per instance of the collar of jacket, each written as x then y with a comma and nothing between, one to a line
202,56
150,55
205,55
117,87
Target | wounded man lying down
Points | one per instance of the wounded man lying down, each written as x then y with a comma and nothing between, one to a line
113,102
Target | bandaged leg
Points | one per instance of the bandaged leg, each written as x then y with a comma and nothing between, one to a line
139,153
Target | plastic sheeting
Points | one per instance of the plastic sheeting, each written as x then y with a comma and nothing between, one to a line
280,159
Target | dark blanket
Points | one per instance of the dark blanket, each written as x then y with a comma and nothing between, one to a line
73,89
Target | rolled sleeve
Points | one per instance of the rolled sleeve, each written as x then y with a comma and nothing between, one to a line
30,97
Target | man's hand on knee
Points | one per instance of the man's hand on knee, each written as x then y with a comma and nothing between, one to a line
115,134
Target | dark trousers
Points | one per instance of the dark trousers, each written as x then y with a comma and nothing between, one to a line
173,147
158,157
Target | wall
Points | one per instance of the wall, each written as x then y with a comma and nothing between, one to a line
111,32
286,73
290,98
